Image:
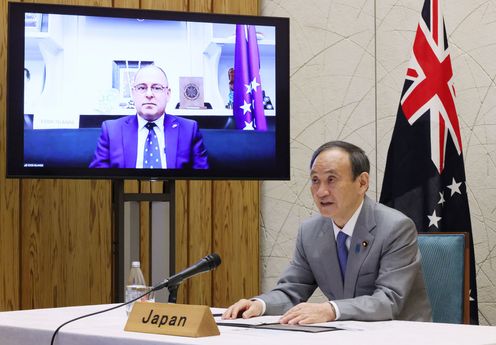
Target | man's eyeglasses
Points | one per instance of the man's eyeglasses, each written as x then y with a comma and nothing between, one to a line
156,89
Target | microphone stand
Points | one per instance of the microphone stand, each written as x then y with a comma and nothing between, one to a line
172,289
173,293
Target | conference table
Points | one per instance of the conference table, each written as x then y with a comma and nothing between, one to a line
37,326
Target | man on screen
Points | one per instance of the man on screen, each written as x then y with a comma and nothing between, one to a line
150,139
361,254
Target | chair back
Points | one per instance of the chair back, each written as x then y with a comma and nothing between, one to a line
446,272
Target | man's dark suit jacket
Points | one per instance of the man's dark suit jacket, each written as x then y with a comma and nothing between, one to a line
383,278
117,145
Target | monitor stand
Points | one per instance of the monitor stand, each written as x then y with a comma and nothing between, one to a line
126,240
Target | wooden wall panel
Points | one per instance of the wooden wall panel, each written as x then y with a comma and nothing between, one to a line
145,238
9,195
170,5
200,6
251,7
200,239
126,3
181,234
236,238
66,243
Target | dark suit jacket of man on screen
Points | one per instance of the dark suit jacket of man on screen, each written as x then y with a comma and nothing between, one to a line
117,145
383,277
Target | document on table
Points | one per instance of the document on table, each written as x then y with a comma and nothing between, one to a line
254,321
272,322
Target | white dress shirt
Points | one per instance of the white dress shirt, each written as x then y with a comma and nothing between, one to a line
143,134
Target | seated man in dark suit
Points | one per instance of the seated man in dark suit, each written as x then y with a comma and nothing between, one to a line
150,139
362,255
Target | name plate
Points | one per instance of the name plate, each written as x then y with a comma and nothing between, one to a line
172,319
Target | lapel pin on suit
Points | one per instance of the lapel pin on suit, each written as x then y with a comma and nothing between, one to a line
174,125
364,244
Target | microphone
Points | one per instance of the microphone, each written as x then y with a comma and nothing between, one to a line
206,264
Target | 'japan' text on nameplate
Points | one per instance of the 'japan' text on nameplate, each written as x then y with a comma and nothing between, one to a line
172,319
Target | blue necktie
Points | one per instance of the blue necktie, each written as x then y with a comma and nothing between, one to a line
151,155
342,252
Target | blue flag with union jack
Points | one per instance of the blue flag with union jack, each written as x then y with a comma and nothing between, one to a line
425,174
248,108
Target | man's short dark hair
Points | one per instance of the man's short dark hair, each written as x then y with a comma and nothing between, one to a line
358,159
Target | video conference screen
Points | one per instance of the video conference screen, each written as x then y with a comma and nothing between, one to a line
123,93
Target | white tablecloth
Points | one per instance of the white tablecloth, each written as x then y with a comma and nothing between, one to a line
37,326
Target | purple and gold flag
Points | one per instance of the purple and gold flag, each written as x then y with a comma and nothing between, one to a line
248,108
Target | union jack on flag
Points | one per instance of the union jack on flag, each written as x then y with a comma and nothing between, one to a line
431,86
425,174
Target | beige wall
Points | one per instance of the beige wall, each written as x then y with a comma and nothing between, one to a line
348,64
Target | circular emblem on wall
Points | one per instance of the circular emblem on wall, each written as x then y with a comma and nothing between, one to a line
191,91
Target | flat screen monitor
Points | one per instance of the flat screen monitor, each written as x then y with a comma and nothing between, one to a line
97,92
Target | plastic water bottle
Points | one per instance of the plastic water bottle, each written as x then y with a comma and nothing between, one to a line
136,285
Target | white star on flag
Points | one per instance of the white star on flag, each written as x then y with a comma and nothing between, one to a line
441,198
455,187
248,88
434,219
254,84
248,126
246,107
